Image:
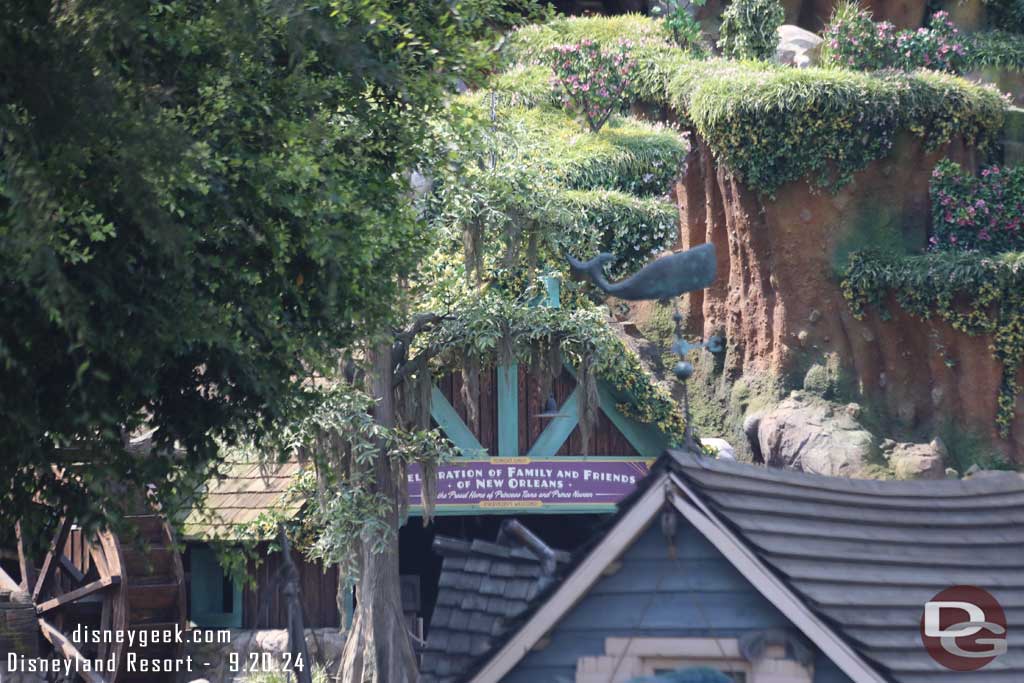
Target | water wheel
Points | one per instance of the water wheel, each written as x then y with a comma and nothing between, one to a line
99,584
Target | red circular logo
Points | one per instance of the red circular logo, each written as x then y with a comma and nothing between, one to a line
964,628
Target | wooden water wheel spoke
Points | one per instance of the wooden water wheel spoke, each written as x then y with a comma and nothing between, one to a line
89,580
50,561
63,645
25,564
68,566
77,594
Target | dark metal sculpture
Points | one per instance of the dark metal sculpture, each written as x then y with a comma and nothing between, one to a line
662,279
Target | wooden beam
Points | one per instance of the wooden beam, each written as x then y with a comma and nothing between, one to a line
71,596
558,429
508,411
452,425
24,562
71,569
66,648
648,440
50,563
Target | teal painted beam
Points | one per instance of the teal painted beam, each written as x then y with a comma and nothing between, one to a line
558,429
648,440
554,291
452,425
508,411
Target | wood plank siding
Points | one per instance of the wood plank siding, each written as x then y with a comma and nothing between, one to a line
607,439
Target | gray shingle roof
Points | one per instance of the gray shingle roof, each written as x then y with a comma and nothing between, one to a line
867,555
484,588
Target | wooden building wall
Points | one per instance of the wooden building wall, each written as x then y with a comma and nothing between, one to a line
606,440
319,588
696,594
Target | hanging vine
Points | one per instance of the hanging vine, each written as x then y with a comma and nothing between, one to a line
974,294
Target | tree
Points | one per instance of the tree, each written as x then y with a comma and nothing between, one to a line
199,203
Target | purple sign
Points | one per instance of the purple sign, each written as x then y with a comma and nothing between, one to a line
559,484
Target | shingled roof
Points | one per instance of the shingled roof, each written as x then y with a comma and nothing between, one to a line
483,591
246,490
867,555
851,563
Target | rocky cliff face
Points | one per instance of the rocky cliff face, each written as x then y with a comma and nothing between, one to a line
778,301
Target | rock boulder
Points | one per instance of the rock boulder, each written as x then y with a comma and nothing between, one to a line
917,460
798,47
809,434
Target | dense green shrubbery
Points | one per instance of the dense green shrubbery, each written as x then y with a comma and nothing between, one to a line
750,28
1006,15
678,17
528,44
633,228
975,294
997,49
626,155
772,124
983,213
776,126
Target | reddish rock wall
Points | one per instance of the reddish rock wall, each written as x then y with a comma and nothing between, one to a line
778,301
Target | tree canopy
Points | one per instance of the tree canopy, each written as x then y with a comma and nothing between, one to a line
198,203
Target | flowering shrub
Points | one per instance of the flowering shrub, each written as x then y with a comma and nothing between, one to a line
983,213
593,82
750,28
938,47
856,41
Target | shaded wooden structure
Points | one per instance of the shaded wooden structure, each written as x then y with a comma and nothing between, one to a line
106,585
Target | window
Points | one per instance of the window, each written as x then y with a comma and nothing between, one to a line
626,658
216,599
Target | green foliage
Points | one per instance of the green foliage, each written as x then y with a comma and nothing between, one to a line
627,155
529,44
633,228
967,448
1006,15
750,28
775,125
678,16
983,213
529,185
593,82
997,49
817,381
320,675
975,294
199,202
853,39
771,124
489,325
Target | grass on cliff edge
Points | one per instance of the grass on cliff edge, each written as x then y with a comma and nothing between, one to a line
771,124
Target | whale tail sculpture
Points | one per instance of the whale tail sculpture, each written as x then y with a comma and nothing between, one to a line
664,278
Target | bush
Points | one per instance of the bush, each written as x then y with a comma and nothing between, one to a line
997,49
679,20
854,40
1006,15
592,81
817,381
983,213
750,29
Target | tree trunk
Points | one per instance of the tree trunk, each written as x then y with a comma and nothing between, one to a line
379,648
